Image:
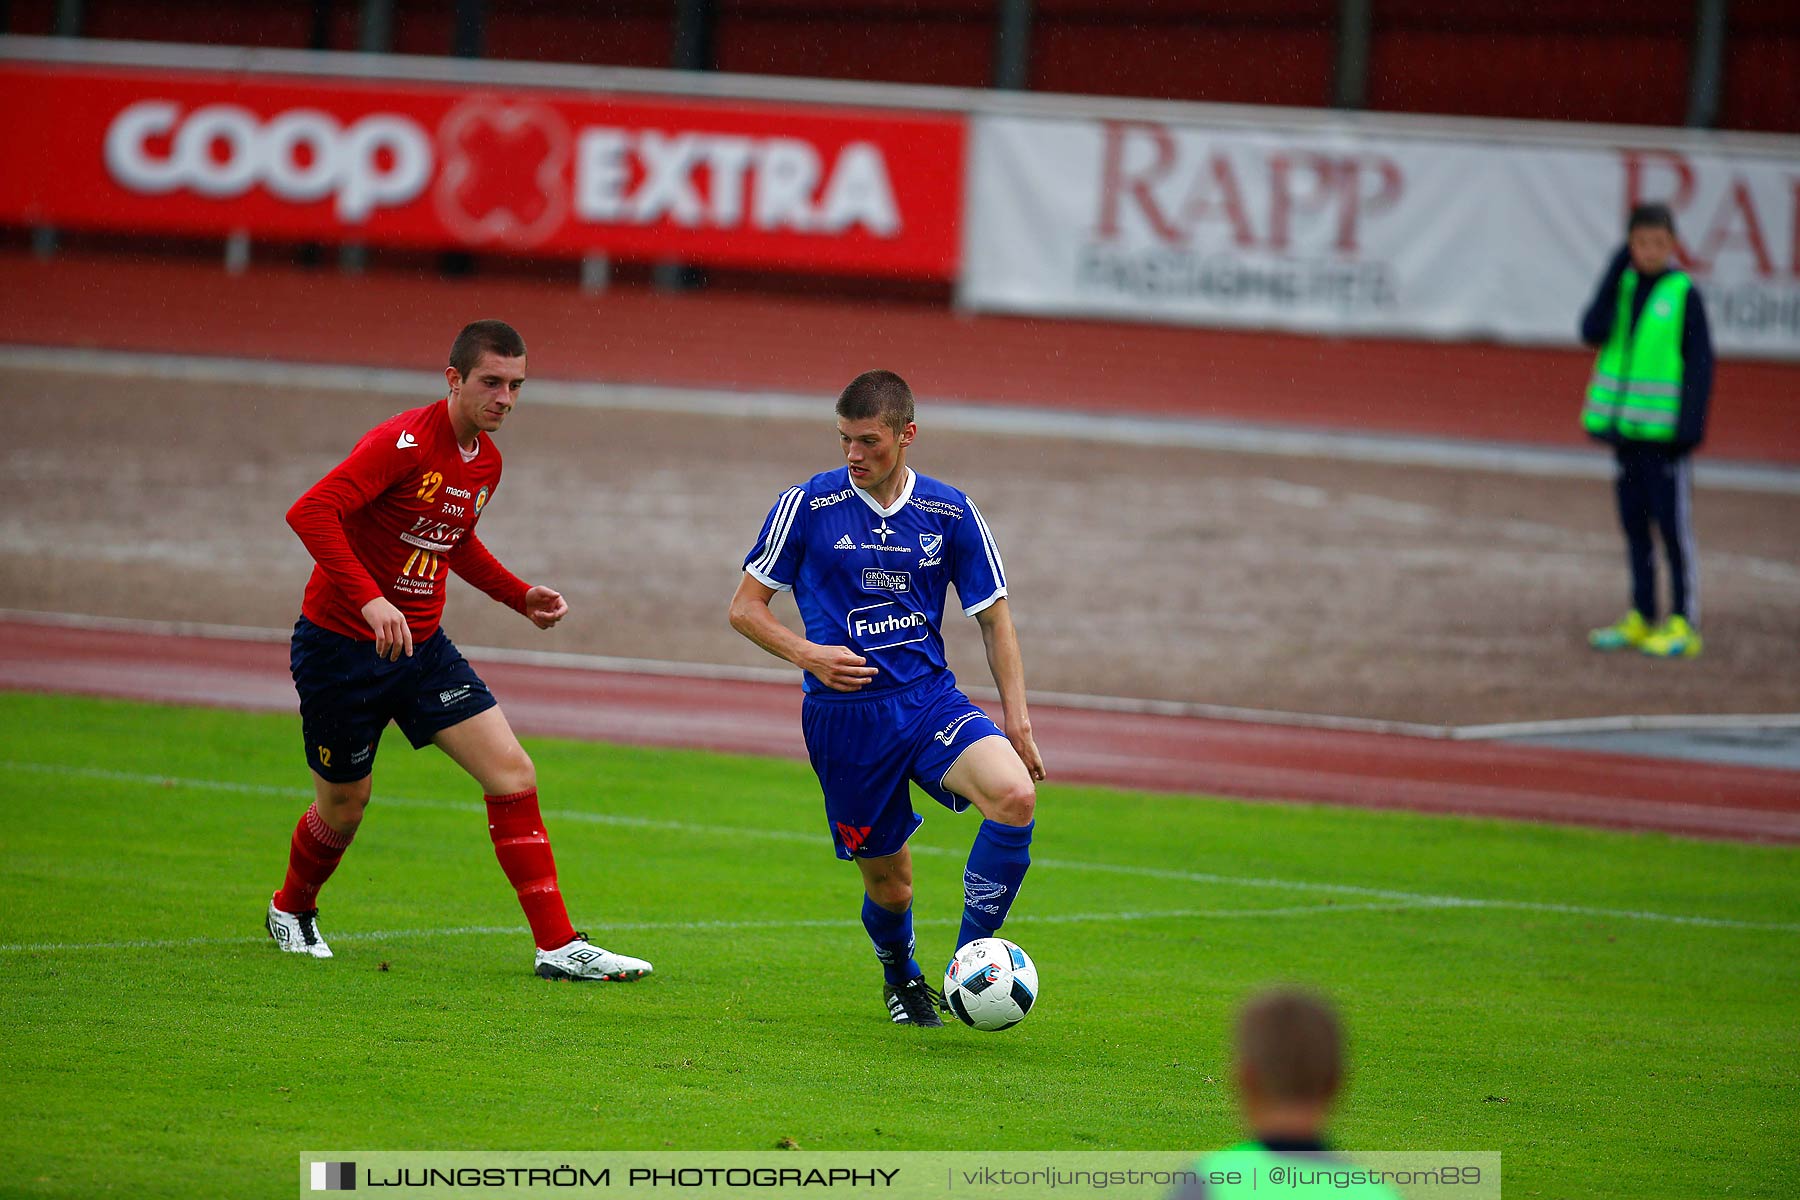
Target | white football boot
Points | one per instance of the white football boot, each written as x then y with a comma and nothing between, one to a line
296,933
581,959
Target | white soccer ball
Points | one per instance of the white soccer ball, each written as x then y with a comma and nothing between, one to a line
991,984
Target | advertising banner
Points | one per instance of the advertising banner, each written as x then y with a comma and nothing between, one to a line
1343,231
435,166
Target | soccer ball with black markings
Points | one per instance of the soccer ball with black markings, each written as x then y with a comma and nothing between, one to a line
991,984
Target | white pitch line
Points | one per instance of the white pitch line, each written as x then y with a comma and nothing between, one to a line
1009,420
844,923
1382,895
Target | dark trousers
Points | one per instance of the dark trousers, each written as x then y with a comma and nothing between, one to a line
1655,487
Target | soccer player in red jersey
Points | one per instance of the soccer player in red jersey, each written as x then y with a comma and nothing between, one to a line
385,528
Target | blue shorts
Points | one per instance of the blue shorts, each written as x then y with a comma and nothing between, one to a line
348,694
865,748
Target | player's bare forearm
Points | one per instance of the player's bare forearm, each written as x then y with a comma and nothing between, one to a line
837,667
751,617
1005,661
1007,664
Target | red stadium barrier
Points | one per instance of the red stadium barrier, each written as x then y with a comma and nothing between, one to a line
436,166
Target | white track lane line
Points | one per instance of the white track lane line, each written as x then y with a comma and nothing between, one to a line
1382,896
1481,530
1241,437
1117,704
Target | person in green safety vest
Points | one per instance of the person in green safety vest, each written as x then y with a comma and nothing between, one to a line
1289,1071
1648,398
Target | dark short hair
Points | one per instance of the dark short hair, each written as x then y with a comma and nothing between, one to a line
484,337
1292,1043
1651,216
880,394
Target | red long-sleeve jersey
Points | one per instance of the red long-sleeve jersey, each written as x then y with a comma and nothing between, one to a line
394,518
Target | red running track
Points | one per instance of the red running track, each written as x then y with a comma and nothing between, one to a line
1491,779
756,341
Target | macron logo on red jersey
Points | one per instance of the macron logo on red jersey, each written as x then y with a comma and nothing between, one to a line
406,441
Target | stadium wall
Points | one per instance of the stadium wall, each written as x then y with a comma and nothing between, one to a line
1299,219
1550,60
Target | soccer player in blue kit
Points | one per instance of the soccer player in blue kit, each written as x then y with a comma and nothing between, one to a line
868,550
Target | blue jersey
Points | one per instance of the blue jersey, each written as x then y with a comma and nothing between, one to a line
873,578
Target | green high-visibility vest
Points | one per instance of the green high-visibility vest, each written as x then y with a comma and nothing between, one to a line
1635,390
1243,1171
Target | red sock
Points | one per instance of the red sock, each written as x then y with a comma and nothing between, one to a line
312,856
524,853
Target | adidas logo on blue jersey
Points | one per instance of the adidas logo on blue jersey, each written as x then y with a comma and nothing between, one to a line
878,581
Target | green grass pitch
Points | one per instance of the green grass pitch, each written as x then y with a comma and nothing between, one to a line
1508,987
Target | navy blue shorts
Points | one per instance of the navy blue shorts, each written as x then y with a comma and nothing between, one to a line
865,748
348,694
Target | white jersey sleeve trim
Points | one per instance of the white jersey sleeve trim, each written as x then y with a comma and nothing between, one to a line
989,546
779,528
768,580
985,604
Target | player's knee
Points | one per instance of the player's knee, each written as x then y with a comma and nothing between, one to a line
341,804
514,772
888,882
892,893
1014,803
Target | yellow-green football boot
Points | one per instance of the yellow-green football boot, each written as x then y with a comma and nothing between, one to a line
1630,630
1675,638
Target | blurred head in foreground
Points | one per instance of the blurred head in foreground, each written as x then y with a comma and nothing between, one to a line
1290,1065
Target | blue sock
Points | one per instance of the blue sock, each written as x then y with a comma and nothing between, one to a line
997,863
892,933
